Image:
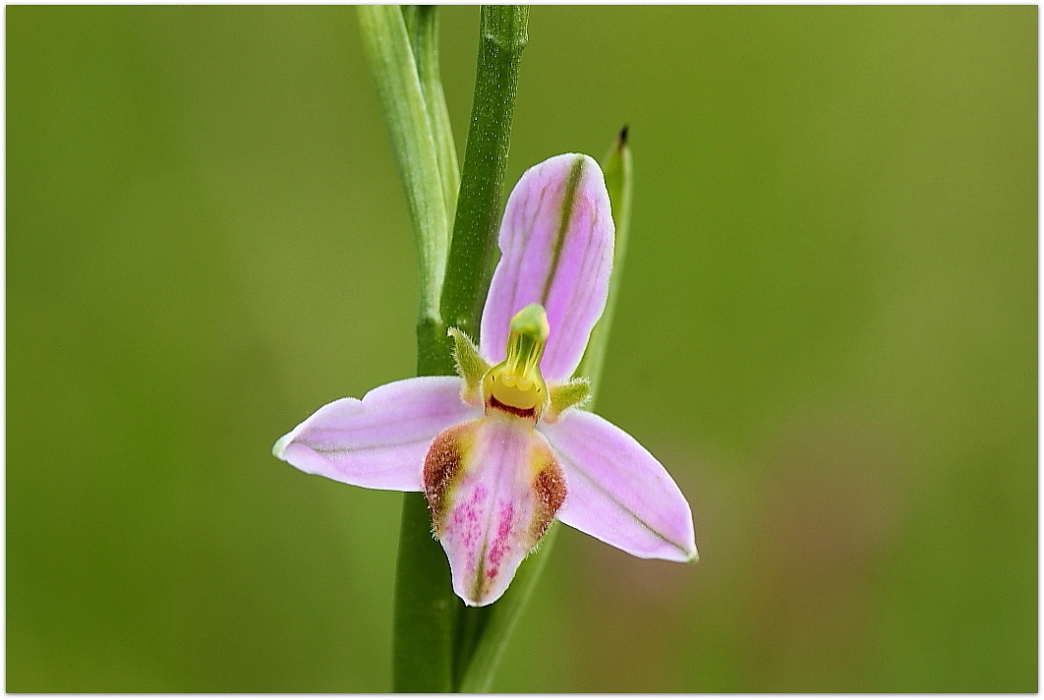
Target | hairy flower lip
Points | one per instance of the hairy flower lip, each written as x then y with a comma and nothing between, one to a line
495,475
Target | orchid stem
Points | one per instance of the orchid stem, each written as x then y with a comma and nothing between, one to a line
503,36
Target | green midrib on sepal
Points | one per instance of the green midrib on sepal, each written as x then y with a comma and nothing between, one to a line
568,200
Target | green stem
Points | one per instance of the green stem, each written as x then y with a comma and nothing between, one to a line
425,606
470,265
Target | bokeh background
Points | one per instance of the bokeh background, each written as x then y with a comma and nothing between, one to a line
826,330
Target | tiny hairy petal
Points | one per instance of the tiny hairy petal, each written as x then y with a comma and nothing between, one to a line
573,393
380,441
618,492
493,486
469,364
556,240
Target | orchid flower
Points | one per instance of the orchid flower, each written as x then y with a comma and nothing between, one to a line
505,447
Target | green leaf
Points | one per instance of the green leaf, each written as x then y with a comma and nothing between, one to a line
423,28
413,136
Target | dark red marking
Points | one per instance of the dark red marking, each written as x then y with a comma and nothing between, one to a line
520,412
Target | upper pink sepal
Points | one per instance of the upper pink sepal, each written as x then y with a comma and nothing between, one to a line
380,441
493,487
618,492
556,240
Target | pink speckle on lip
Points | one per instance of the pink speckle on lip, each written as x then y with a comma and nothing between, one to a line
500,545
464,517
465,522
506,515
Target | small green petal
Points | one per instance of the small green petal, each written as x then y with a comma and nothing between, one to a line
470,365
573,393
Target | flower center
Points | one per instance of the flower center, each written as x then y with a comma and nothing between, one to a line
516,385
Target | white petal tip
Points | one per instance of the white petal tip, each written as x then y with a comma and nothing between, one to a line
280,446
283,444
488,600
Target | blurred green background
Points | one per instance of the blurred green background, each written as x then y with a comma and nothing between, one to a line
826,330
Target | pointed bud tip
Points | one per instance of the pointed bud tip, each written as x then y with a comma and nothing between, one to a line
622,138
